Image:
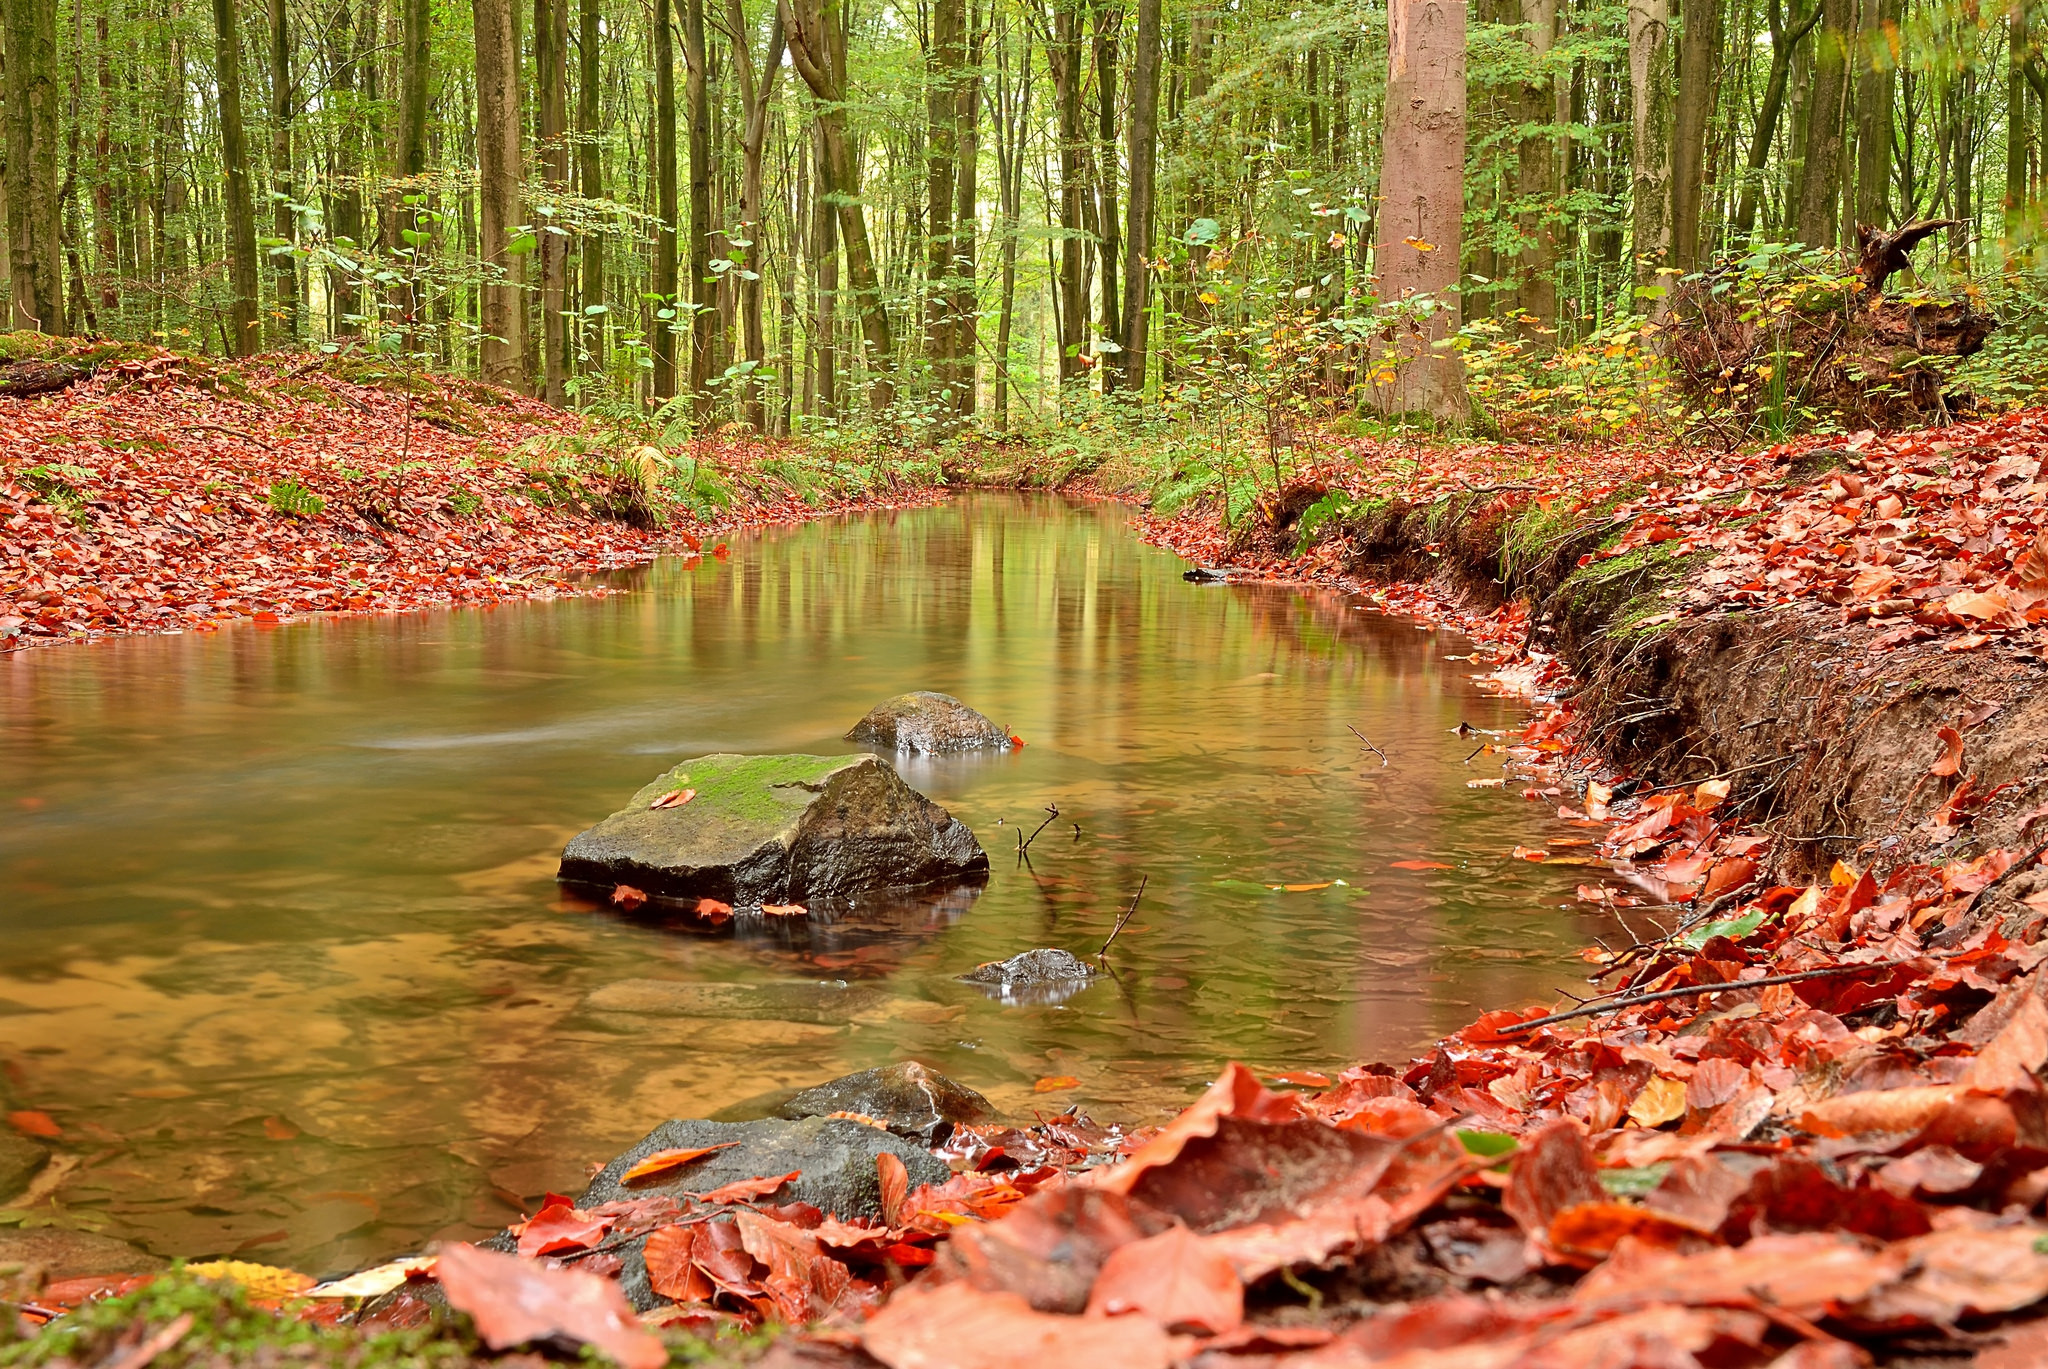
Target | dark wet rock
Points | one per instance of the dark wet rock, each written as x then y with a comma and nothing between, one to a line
835,1160
776,829
919,1104
1206,575
65,1254
780,1001
20,1161
932,724
1046,975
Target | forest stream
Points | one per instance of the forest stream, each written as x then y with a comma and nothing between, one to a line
287,963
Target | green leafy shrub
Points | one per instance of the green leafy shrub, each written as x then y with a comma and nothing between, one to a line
294,500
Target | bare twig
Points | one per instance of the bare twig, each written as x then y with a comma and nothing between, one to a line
1052,811
1664,995
1368,744
1143,880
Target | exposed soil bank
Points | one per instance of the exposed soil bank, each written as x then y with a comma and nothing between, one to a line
1747,617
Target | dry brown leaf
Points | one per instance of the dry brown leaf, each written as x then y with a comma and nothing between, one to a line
514,1301
1174,1278
959,1326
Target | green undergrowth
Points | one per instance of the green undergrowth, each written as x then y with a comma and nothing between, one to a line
24,346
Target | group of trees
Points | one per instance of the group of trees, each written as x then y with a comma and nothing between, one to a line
949,208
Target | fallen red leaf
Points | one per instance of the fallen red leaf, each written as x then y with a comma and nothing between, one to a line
34,1124
1419,865
1053,1083
1176,1280
713,911
958,1326
1951,758
515,1301
674,798
746,1190
559,1226
627,897
662,1161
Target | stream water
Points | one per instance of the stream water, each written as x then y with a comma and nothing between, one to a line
285,960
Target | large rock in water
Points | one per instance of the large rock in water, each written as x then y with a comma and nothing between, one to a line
776,829
919,1104
934,724
834,1161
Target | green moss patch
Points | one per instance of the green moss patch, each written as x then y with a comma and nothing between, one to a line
743,788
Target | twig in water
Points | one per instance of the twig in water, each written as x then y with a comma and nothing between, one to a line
1663,995
1053,811
1143,880
1368,744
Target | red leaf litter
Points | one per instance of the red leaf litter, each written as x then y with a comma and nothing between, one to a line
168,522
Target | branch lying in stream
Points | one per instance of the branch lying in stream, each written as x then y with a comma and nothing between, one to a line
1143,880
1664,995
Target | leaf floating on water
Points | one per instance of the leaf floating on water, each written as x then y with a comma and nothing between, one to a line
1420,865
1053,1083
1302,888
662,1161
674,798
277,1129
1016,742
1486,784
713,911
1529,853
784,910
514,1301
34,1124
627,897
746,1190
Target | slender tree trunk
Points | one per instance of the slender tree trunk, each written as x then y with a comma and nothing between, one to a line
757,94
966,307
283,183
243,330
1109,23
551,66
402,208
1820,181
1539,172
1650,92
34,199
668,306
1875,79
2016,121
345,199
590,169
1063,56
1422,188
703,287
944,57
107,238
499,166
824,400
1699,73
1013,130
1144,147
1784,43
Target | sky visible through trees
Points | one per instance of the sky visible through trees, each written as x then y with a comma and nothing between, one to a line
794,213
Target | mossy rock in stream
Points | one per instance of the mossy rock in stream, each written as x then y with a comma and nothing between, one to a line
775,830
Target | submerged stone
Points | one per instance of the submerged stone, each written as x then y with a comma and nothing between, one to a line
775,830
796,1000
20,1161
1046,975
834,1161
920,1104
928,723
63,1254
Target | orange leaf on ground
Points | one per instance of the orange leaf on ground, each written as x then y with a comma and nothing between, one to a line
1053,1083
958,1326
663,1161
34,1124
559,1226
1176,1280
627,897
674,798
514,1301
1420,865
746,1190
1951,758
1313,1079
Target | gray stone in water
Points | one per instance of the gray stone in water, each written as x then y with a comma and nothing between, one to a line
781,1001
920,1104
933,724
1046,975
835,1160
776,829
20,1161
65,1254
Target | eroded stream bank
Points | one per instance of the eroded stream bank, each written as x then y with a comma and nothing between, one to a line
289,970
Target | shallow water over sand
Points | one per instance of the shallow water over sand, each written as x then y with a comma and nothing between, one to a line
286,962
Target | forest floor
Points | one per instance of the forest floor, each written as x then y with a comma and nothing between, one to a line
1794,699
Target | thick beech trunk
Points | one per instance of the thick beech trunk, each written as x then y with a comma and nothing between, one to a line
945,55
1540,171
244,334
499,156
551,65
34,204
1650,94
1699,70
590,177
284,190
1820,179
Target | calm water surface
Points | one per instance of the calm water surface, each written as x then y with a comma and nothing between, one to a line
285,959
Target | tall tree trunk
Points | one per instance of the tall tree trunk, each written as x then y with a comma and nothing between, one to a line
1877,21
551,70
34,200
590,174
703,286
243,334
1422,190
1649,79
668,304
817,47
499,158
107,243
1144,149
2016,122
415,70
283,183
1539,179
945,55
823,401
966,307
1820,180
345,199
1063,57
757,95
1699,73
1109,23
1785,40
1013,130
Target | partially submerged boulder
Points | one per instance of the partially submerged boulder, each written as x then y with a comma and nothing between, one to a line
930,724
833,1159
916,1103
1045,975
20,1161
750,830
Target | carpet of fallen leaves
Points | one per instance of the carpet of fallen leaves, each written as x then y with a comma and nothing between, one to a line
169,524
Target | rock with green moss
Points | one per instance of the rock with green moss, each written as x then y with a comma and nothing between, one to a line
929,724
753,830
